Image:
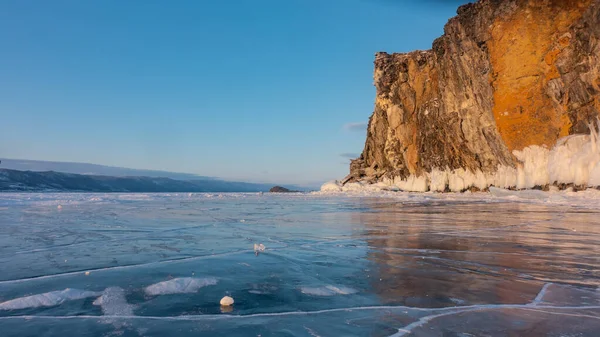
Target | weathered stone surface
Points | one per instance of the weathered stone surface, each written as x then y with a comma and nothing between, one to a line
505,75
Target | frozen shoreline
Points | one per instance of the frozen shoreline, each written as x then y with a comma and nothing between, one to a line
574,160
589,198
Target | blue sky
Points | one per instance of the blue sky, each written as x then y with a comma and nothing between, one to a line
261,90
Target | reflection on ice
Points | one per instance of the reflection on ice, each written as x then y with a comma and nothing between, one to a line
566,295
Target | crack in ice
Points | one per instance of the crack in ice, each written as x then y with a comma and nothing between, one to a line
183,259
451,310
532,306
540,296
422,321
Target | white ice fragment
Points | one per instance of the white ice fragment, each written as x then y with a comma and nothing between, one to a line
48,299
328,290
438,180
533,169
481,181
180,285
356,187
412,184
575,159
457,181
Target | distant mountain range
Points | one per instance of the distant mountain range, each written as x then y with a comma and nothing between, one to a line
29,181
91,169
36,176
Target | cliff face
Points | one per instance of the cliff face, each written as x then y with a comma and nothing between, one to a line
506,75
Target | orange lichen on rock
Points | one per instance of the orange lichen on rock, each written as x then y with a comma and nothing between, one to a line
523,54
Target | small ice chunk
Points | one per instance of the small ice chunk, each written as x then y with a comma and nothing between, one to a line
226,301
180,285
48,299
328,290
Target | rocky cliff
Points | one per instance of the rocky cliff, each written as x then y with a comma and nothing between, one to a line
505,82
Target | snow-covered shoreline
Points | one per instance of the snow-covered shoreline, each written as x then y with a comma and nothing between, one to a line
573,160
586,199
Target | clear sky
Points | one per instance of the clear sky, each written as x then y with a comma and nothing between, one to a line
260,90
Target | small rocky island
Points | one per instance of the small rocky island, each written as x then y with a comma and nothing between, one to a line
279,189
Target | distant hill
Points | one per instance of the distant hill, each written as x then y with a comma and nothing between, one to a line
29,181
91,169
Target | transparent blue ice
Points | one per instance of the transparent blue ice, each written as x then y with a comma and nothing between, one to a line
158,265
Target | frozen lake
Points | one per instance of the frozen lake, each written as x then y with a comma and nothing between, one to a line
391,265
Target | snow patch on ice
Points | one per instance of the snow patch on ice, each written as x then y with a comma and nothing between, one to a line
48,299
180,285
114,303
328,290
332,186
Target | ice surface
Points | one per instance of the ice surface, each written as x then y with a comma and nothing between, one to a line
366,263
180,285
48,299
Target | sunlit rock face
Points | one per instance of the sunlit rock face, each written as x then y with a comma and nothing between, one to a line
505,76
